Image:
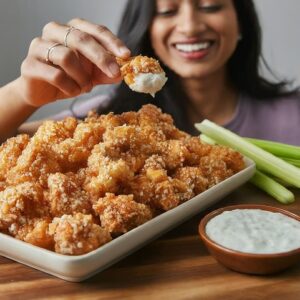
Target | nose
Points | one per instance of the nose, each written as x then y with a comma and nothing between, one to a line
189,21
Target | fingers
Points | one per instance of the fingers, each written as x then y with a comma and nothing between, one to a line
103,35
87,45
63,57
32,68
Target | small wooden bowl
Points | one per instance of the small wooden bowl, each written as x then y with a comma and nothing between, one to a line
247,262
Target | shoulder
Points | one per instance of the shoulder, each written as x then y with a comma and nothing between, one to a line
274,119
280,108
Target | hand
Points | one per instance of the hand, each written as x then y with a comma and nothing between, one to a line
88,60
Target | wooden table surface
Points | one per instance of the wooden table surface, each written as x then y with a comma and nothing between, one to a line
176,266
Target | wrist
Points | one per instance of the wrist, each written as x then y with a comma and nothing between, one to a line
15,89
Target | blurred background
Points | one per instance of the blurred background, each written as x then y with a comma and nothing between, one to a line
22,20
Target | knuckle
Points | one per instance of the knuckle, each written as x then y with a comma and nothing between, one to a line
75,21
27,67
24,66
48,27
34,43
58,77
68,58
102,58
102,29
82,37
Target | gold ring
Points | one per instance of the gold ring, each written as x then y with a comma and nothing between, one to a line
49,50
70,29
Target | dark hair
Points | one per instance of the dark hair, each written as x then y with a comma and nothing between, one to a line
243,66
245,63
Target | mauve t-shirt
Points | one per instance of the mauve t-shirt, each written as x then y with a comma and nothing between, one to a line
277,119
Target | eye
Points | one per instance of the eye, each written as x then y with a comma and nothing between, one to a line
210,8
166,12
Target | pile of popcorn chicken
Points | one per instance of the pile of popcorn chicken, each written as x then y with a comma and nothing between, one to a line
76,185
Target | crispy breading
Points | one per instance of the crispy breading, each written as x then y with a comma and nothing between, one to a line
66,196
20,203
142,74
36,232
138,64
116,171
119,214
77,234
9,153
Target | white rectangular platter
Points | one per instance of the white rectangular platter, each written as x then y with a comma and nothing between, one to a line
78,268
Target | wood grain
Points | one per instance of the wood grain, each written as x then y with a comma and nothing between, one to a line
176,266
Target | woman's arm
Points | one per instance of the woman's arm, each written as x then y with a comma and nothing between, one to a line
13,110
63,63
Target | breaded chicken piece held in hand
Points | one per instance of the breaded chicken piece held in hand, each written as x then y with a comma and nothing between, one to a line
143,74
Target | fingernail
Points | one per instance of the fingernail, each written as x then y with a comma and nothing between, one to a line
124,51
114,69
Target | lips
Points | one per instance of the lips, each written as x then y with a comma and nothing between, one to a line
193,50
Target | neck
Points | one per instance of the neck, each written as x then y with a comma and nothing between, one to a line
211,98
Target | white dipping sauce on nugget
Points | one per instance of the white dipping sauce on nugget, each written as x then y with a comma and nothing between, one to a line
149,83
254,231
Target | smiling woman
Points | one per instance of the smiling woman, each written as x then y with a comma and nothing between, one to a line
195,38
210,50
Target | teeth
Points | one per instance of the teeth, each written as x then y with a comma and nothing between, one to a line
192,47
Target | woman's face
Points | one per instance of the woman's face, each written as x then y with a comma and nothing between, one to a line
194,38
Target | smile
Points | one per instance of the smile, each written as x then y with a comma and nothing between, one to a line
195,47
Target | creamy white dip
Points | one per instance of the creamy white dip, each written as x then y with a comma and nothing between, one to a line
254,231
149,83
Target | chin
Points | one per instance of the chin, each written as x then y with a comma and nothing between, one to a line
191,74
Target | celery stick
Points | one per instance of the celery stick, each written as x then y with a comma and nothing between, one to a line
295,162
273,188
264,182
204,138
278,149
264,160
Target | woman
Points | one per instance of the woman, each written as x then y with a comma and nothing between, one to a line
210,50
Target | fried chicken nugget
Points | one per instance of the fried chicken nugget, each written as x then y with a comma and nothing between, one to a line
2,186
151,116
77,234
73,152
161,195
20,203
105,174
66,196
119,214
196,150
221,163
38,159
54,132
193,181
35,163
174,153
9,153
214,170
233,159
36,232
143,74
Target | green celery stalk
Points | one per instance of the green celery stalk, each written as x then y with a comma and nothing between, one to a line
262,143
206,139
273,188
295,162
264,160
278,149
264,182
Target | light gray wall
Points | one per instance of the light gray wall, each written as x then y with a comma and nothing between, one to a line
281,36
22,20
